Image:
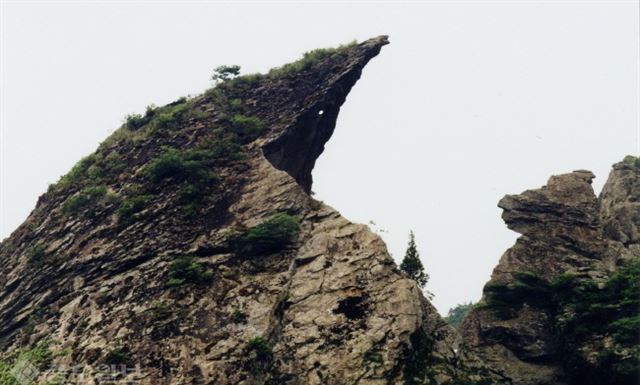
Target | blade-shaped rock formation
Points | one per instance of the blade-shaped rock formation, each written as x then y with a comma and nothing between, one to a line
188,247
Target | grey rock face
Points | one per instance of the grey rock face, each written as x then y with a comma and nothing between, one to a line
565,229
331,308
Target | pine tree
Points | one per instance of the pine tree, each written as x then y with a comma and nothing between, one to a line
411,263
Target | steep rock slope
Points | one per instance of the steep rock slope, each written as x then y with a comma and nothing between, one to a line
540,320
188,246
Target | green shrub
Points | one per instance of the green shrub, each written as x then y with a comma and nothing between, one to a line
587,310
187,165
632,160
184,270
190,193
235,104
261,347
40,355
165,117
246,126
168,119
506,299
75,203
225,146
88,196
456,314
583,309
249,80
166,166
160,309
6,377
625,329
78,171
108,166
271,236
117,356
190,168
94,192
36,254
238,316
130,207
136,121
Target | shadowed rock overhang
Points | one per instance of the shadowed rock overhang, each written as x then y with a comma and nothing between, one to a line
298,146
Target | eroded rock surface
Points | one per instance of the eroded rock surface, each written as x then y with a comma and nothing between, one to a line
93,269
566,230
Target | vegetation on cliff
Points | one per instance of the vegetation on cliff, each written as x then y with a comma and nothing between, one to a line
270,236
456,314
423,366
602,318
412,265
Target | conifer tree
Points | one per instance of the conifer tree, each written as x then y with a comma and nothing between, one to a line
412,265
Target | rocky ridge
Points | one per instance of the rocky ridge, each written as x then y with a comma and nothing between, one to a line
567,231
189,247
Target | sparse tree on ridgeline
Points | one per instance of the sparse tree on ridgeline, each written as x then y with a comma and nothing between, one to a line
412,265
224,73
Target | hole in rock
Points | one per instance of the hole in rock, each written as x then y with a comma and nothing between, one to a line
351,307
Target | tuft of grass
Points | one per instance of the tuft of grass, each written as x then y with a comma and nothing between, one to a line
160,309
238,316
261,347
373,356
271,236
248,80
309,59
39,355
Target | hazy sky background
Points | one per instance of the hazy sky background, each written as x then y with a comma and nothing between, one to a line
472,100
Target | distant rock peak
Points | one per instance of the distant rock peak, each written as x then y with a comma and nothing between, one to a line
566,232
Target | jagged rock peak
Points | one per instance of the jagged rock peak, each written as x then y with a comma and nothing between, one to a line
620,202
295,147
565,211
571,242
187,245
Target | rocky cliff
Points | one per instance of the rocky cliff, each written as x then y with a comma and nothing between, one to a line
562,304
188,250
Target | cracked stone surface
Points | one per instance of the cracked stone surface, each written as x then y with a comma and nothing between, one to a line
333,305
565,228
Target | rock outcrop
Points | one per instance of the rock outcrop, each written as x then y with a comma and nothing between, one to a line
188,246
566,232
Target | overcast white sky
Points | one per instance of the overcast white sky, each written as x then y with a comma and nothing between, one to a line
472,100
